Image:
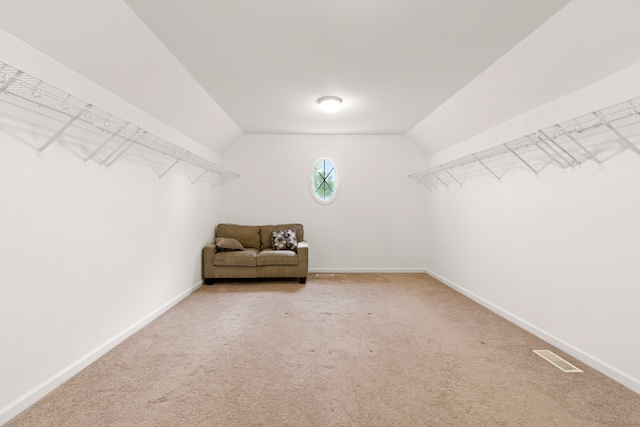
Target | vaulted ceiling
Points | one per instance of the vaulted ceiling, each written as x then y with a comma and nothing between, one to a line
217,69
393,62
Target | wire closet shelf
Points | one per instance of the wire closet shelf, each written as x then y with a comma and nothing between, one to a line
30,106
596,137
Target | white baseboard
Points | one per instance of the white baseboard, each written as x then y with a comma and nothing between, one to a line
367,270
585,357
38,392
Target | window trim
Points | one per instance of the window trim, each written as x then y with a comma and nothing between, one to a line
312,185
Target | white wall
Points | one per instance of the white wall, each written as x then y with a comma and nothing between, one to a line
88,256
558,253
375,223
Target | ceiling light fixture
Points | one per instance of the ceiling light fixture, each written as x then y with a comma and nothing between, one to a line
330,104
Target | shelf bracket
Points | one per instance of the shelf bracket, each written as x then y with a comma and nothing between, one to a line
573,159
521,159
172,165
549,155
440,179
575,141
425,181
120,153
452,177
101,146
10,81
546,143
215,183
427,184
614,130
421,178
130,141
486,167
201,175
64,128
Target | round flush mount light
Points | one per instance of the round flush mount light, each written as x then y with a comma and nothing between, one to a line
330,104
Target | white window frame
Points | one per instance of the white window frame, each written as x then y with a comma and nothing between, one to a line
312,183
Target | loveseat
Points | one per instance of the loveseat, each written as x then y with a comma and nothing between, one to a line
256,252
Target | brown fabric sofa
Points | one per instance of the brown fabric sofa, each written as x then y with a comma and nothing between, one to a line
257,259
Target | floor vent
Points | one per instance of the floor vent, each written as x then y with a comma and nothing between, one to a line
557,361
325,274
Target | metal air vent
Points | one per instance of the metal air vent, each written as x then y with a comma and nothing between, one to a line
557,361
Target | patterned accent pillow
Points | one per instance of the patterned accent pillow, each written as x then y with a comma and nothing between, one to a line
284,239
227,244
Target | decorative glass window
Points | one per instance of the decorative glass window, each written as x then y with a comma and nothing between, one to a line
324,181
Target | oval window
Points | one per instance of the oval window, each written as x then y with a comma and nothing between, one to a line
324,181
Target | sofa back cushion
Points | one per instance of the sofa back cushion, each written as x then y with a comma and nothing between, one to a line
247,235
266,230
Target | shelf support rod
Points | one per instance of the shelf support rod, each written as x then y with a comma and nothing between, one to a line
440,179
621,136
64,128
486,167
575,141
10,81
549,155
120,153
104,161
420,178
130,141
452,177
172,165
201,175
424,180
521,159
573,159
215,183
546,143
101,146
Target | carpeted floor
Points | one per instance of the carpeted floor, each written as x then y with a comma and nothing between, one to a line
348,350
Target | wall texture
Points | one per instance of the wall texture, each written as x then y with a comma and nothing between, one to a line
374,224
556,253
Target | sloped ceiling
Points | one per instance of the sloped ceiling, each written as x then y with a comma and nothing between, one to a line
584,42
107,43
438,71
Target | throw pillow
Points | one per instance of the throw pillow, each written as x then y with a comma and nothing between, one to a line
284,239
228,244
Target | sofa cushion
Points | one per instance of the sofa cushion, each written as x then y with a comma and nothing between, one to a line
273,257
246,258
266,230
228,244
247,235
284,239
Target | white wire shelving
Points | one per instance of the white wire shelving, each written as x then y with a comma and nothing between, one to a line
594,137
41,114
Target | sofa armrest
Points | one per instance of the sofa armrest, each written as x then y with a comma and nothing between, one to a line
303,260
207,260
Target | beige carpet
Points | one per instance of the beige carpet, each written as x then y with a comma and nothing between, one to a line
349,350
